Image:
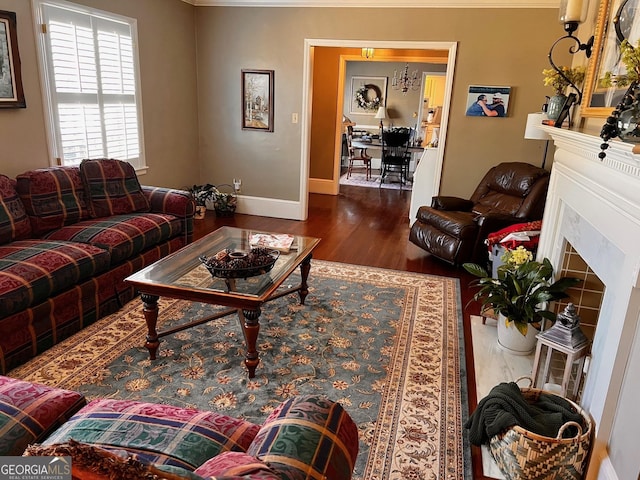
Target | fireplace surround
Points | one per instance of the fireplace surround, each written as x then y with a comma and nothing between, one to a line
594,206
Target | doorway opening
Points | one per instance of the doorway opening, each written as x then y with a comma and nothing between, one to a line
328,118
415,109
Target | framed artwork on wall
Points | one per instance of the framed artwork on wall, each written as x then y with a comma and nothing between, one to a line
368,94
11,93
487,101
257,100
618,20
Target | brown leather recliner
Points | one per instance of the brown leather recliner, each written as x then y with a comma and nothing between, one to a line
454,229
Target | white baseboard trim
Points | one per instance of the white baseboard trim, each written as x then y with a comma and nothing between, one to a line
606,470
270,207
321,185
600,466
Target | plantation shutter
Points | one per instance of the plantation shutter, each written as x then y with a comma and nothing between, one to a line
90,62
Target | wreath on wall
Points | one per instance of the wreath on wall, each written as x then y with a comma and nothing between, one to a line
368,97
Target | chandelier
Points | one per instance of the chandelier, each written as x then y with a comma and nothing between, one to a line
404,82
367,53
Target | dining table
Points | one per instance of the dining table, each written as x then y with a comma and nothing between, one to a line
373,149
376,144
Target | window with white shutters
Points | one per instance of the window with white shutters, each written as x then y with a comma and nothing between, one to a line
89,61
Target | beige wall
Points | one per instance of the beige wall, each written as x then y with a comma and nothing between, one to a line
495,47
168,78
402,108
22,134
191,88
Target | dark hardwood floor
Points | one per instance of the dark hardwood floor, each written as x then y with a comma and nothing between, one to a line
365,226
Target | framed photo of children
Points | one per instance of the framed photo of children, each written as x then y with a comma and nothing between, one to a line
11,93
257,100
488,101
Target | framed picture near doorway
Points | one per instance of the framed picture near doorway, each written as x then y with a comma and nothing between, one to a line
11,93
368,94
488,101
257,100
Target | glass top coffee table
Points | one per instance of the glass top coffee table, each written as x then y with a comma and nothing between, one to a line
182,275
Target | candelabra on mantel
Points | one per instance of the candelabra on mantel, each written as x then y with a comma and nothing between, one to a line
572,14
405,82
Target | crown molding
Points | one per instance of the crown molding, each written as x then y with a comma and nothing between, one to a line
379,3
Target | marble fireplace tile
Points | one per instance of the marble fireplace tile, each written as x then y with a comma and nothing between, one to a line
492,367
492,364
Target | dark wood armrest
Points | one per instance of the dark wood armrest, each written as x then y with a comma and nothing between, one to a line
496,221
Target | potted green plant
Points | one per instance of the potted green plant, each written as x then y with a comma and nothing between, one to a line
201,194
224,203
553,79
520,295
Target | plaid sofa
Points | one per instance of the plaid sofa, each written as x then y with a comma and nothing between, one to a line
69,236
306,437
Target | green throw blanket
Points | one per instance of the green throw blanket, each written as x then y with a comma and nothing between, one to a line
505,407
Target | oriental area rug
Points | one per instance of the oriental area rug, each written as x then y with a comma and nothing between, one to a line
387,345
358,179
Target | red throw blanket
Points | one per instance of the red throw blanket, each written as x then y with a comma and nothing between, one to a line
497,237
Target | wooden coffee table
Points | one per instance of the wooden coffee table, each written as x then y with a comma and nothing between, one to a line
180,275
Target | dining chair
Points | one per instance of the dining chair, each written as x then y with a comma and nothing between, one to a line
395,154
354,157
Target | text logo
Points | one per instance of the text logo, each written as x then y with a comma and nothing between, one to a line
35,468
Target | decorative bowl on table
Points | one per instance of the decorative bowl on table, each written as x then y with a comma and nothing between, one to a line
240,264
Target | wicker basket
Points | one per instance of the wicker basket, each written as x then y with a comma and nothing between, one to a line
224,203
521,454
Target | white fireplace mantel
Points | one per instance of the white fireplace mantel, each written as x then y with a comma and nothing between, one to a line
595,206
620,168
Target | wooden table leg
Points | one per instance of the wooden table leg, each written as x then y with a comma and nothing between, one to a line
150,310
305,267
250,329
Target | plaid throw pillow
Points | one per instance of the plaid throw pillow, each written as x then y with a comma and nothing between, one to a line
112,188
53,197
29,412
308,436
14,222
158,434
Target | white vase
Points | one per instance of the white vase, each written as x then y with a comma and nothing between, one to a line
512,341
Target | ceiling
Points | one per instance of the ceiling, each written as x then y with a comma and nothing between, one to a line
380,3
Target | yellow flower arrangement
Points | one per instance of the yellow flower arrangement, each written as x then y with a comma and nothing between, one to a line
554,80
630,57
518,256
